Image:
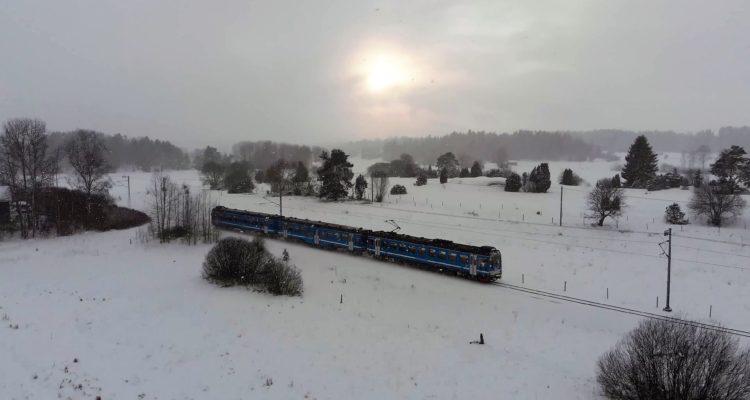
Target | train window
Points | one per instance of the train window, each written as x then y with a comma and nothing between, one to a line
441,254
452,257
403,247
422,251
412,249
338,235
464,259
433,252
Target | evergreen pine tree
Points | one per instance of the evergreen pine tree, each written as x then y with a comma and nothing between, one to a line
616,183
673,215
539,179
335,175
476,169
730,167
640,164
464,173
421,179
513,183
443,175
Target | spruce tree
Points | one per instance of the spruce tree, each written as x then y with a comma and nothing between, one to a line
640,164
540,179
730,167
674,215
335,175
443,175
476,169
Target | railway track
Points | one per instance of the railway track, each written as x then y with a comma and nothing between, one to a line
625,310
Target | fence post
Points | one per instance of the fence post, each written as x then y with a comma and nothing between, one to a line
565,286
607,293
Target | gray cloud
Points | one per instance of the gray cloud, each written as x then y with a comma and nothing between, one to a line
197,72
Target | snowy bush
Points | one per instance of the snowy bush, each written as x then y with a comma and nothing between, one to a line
398,189
674,215
569,178
283,279
421,180
513,183
235,261
666,360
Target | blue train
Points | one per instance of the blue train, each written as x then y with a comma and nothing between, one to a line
483,263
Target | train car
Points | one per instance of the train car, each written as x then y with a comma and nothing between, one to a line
481,263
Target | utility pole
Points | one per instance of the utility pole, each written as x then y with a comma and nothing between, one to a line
128,178
561,196
668,233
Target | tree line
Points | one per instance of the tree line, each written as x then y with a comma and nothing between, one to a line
141,153
29,167
471,145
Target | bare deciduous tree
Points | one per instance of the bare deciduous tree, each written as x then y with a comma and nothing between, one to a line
86,154
25,167
177,214
379,186
605,200
666,360
716,202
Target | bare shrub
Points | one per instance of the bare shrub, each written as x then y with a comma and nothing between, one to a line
283,279
235,261
177,214
666,360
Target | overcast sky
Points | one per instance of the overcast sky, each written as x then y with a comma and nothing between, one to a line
199,72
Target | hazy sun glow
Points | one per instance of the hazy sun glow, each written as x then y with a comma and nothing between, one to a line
384,73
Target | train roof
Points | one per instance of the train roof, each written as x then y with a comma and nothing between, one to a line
483,250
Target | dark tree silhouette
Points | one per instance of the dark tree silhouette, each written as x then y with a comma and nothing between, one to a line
513,183
335,175
421,180
476,169
664,360
605,201
443,175
360,185
86,154
238,179
213,175
640,164
731,167
717,202
449,163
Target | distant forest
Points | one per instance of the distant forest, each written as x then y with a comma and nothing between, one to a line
541,145
484,146
142,153
615,140
264,153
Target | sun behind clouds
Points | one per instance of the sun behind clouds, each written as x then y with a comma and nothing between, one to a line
385,72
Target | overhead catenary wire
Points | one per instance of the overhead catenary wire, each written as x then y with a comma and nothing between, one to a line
625,310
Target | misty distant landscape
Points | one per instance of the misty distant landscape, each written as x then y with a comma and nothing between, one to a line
374,200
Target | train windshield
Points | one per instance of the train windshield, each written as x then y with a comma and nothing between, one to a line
496,260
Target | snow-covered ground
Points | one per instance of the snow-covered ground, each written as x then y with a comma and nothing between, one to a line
142,323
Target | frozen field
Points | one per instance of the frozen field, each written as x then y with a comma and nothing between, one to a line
142,323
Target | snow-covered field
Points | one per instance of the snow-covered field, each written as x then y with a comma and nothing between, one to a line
141,323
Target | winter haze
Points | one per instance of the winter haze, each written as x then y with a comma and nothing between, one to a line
326,72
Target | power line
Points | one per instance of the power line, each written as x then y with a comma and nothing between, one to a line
625,310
